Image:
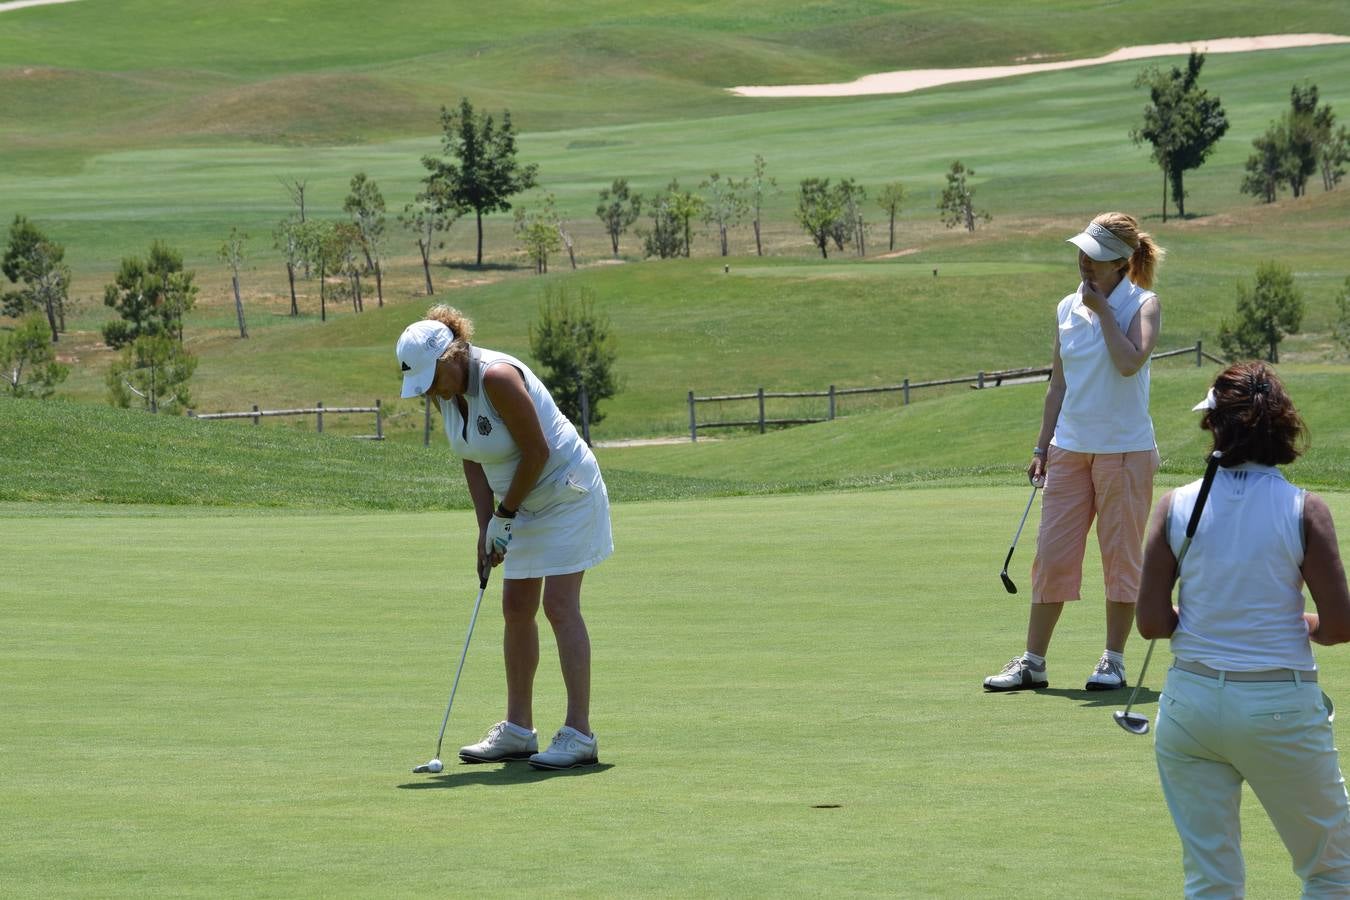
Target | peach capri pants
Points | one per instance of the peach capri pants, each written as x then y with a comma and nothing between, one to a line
1114,488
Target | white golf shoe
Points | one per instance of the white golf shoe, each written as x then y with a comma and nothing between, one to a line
1107,676
569,748
1017,675
504,741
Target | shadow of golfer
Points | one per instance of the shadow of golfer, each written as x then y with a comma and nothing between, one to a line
507,774
1099,699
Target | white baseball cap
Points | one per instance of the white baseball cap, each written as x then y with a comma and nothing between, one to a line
1100,243
419,346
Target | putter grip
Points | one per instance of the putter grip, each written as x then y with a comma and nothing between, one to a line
1205,484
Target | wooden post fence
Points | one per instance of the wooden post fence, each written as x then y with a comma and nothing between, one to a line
980,380
257,415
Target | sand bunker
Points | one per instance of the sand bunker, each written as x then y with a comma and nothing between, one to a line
908,80
20,4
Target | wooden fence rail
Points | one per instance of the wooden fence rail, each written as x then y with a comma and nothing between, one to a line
979,380
317,410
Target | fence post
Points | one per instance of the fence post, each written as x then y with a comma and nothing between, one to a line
979,380
1197,354
379,422
693,421
906,392
761,410
426,424
585,415
319,407
256,418
831,403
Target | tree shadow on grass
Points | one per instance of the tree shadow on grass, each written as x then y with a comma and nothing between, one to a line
508,774
486,267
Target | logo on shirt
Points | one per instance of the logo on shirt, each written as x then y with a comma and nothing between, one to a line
484,426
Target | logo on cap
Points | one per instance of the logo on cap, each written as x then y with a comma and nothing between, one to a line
407,368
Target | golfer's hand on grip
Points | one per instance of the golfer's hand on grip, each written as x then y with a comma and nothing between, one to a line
1036,471
497,536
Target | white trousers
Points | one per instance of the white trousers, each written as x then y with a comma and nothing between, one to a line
1211,735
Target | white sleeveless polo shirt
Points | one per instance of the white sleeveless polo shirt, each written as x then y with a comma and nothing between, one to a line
1241,589
1103,411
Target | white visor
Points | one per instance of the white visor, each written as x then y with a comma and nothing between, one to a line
1099,243
418,348
1208,403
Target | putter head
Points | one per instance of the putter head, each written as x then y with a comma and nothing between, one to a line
1007,582
1134,723
421,770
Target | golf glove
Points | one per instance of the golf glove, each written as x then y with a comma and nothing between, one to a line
498,534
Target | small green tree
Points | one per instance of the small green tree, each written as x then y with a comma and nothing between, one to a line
232,254
725,205
576,353
1266,314
365,204
1340,328
850,226
760,186
1335,153
153,369
539,233
891,198
34,262
425,217
480,172
1266,167
819,208
619,208
289,239
957,203
1181,121
28,363
151,296
664,239
685,206
324,248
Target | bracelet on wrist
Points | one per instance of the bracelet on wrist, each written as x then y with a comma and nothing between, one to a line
504,512
1038,451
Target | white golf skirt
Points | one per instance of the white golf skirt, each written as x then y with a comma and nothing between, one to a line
571,535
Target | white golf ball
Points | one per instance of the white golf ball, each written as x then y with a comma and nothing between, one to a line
434,766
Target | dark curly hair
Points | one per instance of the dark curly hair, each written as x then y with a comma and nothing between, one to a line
1253,419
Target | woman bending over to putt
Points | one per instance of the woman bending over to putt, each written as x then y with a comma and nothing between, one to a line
1241,702
1095,452
543,514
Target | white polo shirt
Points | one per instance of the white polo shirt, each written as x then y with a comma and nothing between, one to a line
1103,411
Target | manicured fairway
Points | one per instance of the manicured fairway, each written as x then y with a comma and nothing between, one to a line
207,704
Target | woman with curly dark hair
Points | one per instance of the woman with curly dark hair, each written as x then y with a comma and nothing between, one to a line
1241,701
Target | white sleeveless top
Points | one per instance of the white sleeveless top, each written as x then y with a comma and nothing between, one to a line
1103,411
483,438
1241,589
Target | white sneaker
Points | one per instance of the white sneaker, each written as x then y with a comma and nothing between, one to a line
1017,675
502,742
569,748
1108,676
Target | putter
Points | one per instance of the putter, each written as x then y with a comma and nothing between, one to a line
434,765
1008,582
1136,723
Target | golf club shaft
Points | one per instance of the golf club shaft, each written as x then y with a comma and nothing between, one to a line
1026,512
482,588
1206,483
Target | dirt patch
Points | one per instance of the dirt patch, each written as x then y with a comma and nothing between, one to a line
906,81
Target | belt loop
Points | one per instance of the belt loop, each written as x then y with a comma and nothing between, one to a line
1223,677
1298,678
